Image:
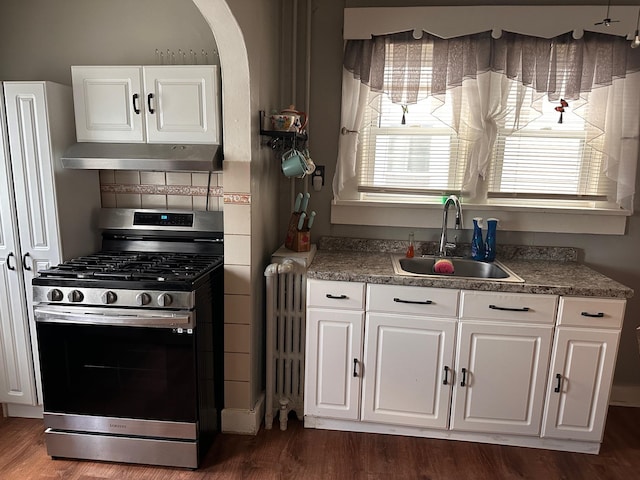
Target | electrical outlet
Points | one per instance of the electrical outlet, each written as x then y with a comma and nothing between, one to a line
319,172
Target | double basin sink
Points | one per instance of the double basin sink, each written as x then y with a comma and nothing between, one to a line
463,268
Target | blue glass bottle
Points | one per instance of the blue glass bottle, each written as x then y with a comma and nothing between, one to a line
490,242
477,245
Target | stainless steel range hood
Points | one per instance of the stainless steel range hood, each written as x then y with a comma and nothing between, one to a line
143,156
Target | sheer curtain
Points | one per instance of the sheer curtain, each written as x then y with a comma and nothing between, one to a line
479,71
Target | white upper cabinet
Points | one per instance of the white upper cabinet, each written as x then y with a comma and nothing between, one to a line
151,104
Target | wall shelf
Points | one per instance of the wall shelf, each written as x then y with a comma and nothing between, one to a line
281,141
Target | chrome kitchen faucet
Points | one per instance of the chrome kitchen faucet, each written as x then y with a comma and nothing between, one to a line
444,245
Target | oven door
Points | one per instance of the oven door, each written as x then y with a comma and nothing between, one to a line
123,363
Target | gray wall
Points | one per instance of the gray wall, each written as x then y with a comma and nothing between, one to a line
41,39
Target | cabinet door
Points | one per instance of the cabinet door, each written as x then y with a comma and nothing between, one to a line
501,375
32,165
182,104
579,383
109,104
333,363
405,381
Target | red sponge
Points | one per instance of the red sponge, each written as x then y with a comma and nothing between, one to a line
443,266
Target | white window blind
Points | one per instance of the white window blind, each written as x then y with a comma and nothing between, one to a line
547,158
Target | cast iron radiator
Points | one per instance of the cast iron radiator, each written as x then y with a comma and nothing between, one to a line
285,341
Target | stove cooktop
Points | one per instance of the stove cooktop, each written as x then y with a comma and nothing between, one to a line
128,269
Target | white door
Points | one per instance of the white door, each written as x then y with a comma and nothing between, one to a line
16,374
408,376
501,375
109,104
579,383
32,165
182,104
333,363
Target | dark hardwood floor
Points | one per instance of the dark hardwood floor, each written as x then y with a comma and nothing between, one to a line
317,454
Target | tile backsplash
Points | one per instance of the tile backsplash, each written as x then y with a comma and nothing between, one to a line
142,189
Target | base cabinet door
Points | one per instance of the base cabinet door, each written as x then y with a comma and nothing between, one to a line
501,375
579,383
333,363
408,377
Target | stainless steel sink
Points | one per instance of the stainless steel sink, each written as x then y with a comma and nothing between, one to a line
462,268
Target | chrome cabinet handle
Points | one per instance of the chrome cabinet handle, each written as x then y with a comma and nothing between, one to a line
593,315
337,297
9,257
509,309
24,261
149,98
559,384
136,100
415,302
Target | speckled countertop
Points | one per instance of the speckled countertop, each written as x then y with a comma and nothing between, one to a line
544,270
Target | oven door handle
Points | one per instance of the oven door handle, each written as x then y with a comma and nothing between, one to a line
122,317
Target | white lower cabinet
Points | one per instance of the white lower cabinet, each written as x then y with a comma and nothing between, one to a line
466,365
504,340
335,320
408,355
582,366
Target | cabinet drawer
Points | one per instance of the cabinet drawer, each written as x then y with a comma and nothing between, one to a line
440,302
591,312
330,294
511,307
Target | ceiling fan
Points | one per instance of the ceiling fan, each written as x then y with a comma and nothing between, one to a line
607,20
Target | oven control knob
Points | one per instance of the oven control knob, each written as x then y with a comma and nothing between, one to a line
164,300
109,297
76,296
143,299
55,295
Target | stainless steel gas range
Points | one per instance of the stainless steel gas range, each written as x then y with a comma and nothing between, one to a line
130,341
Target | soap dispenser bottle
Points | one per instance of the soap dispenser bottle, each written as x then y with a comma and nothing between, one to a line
490,242
477,245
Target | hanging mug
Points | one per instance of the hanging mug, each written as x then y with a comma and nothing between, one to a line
294,164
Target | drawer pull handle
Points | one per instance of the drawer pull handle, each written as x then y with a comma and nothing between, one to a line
355,367
559,384
463,383
446,376
337,297
509,309
149,98
416,302
594,315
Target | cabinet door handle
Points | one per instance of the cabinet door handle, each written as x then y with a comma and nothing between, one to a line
136,100
509,309
594,315
446,376
355,367
149,98
337,297
416,302
559,384
463,383
9,257
24,261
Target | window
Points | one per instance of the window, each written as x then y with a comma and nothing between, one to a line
409,150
